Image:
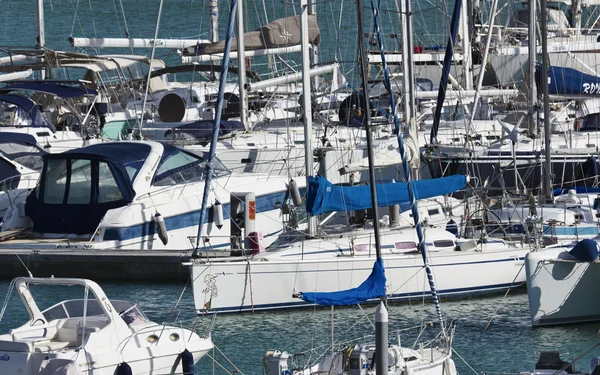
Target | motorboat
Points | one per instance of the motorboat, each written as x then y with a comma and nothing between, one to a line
144,195
92,334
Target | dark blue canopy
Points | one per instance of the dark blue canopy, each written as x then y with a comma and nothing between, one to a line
10,137
63,91
27,105
323,196
578,190
64,216
202,130
372,287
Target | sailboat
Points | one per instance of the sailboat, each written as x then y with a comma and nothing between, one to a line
379,358
342,258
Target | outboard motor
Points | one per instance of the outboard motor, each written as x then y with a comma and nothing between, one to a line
360,360
276,363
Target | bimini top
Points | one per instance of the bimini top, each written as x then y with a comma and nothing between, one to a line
29,107
65,92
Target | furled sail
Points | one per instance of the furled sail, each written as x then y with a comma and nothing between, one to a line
283,32
323,196
372,287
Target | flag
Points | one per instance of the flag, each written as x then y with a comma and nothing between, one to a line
208,304
338,81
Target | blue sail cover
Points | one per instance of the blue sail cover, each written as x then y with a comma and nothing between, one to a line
62,91
372,287
323,196
567,81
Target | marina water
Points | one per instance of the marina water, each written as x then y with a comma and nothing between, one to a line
509,344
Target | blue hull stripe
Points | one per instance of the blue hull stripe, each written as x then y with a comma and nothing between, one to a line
264,203
404,297
583,229
401,297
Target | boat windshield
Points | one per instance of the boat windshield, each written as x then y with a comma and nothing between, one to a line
590,122
12,115
29,156
75,308
180,167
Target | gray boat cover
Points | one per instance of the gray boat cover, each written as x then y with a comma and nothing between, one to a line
283,32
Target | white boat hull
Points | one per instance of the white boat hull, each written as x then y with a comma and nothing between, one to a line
265,285
561,291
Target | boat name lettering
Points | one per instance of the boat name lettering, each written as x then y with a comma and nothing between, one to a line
591,88
5,357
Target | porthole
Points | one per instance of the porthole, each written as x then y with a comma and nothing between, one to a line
174,336
152,339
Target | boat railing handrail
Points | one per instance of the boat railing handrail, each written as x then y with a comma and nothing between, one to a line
6,183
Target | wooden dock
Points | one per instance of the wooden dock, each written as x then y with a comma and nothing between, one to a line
98,265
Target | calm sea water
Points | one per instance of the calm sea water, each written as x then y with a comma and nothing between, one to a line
509,345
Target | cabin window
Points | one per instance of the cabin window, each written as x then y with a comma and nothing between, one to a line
435,211
443,243
406,245
56,182
108,190
80,188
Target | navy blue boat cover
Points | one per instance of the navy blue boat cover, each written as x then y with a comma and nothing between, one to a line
372,287
63,91
323,196
84,218
27,105
202,130
578,190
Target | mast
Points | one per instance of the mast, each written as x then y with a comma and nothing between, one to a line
362,58
150,67
407,64
484,59
216,125
41,32
547,188
242,65
314,51
446,71
405,166
213,8
532,43
306,104
466,47
381,324
576,16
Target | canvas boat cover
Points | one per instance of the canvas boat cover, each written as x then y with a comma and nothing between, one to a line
323,196
29,107
78,187
65,92
372,287
283,32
